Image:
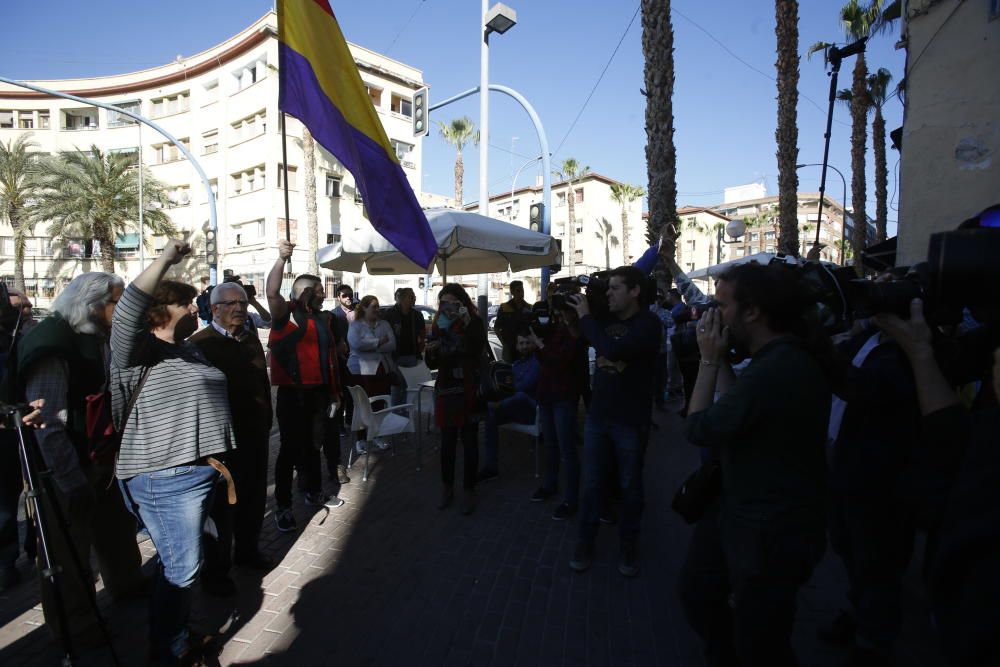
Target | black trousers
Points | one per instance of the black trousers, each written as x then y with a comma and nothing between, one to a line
302,424
470,446
11,484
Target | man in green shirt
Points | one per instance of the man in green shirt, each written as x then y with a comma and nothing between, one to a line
769,429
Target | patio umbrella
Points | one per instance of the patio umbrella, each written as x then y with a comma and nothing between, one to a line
467,243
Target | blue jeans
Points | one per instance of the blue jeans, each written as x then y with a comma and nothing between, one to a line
603,440
559,429
172,504
519,409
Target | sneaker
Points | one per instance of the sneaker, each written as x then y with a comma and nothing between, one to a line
341,475
628,560
381,445
582,558
609,516
840,631
323,500
541,494
487,474
563,512
285,520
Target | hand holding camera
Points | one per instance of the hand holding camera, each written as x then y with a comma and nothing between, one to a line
713,337
579,303
913,335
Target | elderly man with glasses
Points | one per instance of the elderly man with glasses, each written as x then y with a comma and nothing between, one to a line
230,344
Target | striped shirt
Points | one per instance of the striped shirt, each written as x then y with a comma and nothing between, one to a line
182,413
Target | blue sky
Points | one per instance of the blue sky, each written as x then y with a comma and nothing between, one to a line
724,110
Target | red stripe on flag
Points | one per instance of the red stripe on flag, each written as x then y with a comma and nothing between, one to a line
325,6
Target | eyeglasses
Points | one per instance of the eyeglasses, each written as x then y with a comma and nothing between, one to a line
231,303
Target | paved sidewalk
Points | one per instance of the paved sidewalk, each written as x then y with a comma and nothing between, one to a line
389,580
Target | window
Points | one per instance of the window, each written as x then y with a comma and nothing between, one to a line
769,248
163,153
177,103
768,235
330,240
43,120
246,181
6,120
375,94
80,119
332,186
250,127
579,195
180,196
560,199
116,119
211,90
26,120
131,154
691,245
401,105
754,236
210,142
402,149
690,267
292,177
250,74
578,256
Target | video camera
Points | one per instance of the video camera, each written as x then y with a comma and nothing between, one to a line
593,287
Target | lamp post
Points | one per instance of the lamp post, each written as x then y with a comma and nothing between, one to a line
843,207
499,19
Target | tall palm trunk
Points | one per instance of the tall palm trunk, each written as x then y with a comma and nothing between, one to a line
881,176
787,132
571,226
102,234
459,179
13,217
859,135
625,236
661,156
312,217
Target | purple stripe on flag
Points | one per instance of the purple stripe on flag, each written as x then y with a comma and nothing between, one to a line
392,206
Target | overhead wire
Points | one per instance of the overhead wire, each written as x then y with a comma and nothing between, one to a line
405,25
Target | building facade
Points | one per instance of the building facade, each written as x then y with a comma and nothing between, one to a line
950,153
223,106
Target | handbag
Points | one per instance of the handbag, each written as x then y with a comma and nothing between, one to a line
104,438
698,491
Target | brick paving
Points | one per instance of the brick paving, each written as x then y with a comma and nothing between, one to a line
389,580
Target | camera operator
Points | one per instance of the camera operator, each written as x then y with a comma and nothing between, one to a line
303,345
770,428
963,559
870,442
564,373
63,359
619,417
510,317
230,344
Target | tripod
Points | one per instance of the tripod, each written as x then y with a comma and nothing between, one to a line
38,478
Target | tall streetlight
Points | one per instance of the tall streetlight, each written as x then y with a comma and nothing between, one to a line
499,19
843,207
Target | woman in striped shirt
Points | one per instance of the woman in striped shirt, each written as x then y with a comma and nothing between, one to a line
180,419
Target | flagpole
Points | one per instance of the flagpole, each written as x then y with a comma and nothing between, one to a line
284,167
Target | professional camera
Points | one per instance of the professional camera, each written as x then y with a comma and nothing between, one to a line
540,322
593,287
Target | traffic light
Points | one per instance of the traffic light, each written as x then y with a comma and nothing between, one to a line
536,217
420,113
557,267
422,283
211,249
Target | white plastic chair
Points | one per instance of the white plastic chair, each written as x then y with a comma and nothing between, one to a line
376,423
417,379
535,431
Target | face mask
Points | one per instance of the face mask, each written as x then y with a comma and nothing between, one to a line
444,322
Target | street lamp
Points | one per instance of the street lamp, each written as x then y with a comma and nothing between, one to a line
735,229
499,19
843,208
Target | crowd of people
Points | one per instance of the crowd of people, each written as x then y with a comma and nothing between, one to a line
860,439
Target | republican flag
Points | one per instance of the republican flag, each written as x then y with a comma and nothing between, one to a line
319,84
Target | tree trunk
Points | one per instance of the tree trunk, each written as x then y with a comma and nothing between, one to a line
312,217
459,179
787,132
859,134
571,226
625,238
881,176
107,254
661,156
19,241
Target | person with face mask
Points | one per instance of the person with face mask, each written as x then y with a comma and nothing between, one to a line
167,470
303,343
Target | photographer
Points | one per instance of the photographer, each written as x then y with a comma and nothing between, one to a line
519,408
964,545
303,345
231,345
457,349
619,417
63,360
564,374
769,427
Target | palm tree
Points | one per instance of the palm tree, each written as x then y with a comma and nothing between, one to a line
661,155
624,194
787,132
877,90
760,222
312,216
19,172
605,233
95,195
458,133
846,252
570,171
807,230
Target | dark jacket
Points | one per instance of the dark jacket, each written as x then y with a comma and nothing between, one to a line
564,367
459,360
394,316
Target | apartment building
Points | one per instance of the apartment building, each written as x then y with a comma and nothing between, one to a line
223,106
